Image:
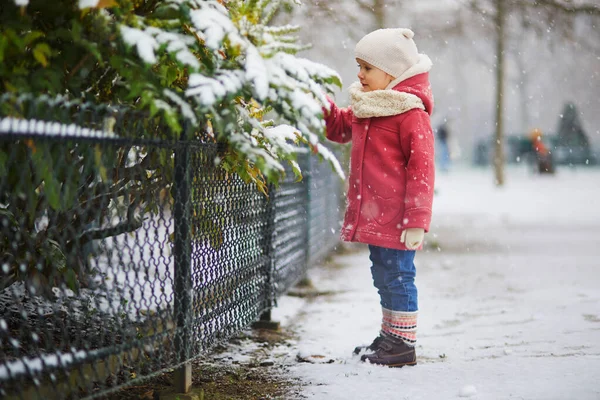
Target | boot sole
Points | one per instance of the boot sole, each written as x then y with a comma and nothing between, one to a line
411,364
397,365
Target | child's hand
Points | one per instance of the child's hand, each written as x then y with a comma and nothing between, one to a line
412,238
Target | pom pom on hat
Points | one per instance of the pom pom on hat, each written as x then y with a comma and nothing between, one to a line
392,50
408,33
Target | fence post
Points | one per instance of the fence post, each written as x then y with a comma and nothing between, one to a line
306,182
182,276
265,321
307,213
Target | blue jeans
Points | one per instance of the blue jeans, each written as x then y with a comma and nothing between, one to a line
394,277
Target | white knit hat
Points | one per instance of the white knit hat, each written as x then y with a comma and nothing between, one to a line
391,50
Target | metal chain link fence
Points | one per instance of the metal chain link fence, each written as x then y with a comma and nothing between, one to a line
123,256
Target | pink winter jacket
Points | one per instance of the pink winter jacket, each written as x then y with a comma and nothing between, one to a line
391,181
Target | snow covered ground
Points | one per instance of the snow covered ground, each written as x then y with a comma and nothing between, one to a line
509,292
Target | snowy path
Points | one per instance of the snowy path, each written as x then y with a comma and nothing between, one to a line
509,304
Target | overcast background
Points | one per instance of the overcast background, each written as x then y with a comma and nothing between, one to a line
550,59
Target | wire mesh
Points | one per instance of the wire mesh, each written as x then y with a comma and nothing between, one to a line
325,210
125,252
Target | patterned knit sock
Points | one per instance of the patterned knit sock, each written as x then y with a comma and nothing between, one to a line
400,324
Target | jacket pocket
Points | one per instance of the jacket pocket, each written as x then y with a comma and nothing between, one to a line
387,210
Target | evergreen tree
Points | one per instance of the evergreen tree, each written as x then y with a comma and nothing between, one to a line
571,138
205,70
217,65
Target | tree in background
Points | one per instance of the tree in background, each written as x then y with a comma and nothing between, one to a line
464,30
534,14
351,13
378,11
572,140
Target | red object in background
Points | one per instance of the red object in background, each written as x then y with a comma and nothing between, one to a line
539,146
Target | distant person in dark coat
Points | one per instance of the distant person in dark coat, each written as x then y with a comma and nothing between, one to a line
444,148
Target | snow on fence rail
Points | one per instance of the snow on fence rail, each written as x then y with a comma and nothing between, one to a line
35,127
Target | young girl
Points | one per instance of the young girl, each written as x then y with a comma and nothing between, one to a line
390,189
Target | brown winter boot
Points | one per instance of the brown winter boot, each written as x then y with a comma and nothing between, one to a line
371,347
392,352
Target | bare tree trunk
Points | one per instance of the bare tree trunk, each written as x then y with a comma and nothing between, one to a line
523,92
375,8
499,143
379,13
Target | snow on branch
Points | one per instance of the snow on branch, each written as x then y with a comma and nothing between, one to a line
207,91
256,72
88,3
214,26
230,58
143,42
176,43
282,136
186,109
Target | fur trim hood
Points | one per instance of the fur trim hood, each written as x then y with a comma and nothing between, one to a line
381,103
423,65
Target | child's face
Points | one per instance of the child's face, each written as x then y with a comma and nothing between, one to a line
372,78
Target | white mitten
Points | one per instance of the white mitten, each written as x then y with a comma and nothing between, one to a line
412,237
